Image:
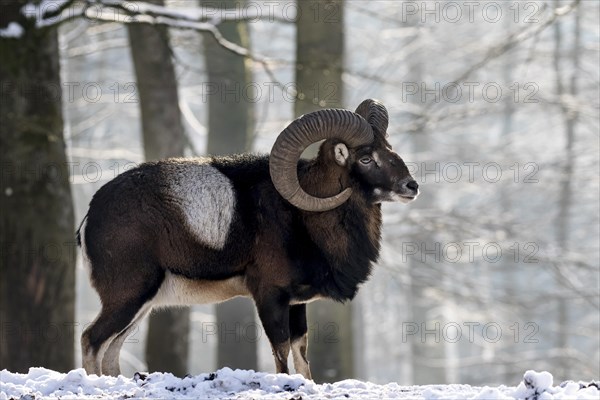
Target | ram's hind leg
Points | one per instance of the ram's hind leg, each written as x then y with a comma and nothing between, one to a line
110,361
97,338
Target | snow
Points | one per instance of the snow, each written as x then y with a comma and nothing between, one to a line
541,381
13,30
199,18
38,11
41,383
211,14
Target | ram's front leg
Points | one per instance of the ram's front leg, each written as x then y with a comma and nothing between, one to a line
299,339
273,310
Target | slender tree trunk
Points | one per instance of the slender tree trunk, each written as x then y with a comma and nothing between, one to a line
230,127
319,62
167,344
319,55
37,252
509,270
565,201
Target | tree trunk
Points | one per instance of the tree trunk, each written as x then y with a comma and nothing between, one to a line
230,129
319,63
566,176
319,55
508,273
167,344
37,270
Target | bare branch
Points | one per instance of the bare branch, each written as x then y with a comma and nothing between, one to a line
517,38
500,49
200,19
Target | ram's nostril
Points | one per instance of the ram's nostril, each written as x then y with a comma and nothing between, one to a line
412,185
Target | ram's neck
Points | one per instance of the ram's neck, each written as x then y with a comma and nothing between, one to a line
348,236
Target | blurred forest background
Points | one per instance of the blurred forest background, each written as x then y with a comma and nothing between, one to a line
494,105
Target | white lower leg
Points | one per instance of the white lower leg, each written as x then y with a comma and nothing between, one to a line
92,361
299,348
110,361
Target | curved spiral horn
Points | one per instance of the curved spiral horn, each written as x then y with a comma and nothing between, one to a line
376,115
344,125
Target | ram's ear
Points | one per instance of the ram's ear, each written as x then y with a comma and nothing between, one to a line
341,154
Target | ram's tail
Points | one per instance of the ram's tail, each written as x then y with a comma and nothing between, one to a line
78,232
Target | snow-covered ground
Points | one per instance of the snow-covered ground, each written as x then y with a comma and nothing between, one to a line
41,383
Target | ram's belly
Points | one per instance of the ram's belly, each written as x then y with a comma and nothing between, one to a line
177,290
294,301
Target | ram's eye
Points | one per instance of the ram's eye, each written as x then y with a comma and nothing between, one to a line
366,160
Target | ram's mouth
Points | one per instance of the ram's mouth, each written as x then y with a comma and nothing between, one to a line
406,199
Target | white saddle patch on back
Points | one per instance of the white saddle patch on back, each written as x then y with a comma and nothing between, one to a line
206,198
